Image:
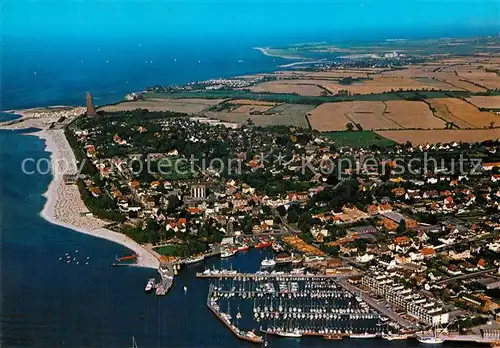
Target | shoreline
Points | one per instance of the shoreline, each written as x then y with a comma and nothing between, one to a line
265,51
54,196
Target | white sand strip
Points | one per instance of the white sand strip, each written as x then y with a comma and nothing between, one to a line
64,204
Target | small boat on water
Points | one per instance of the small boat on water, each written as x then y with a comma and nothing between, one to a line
362,335
268,262
393,337
291,334
263,244
430,340
333,337
194,259
227,253
243,247
150,285
134,343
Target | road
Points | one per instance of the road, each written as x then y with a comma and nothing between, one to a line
465,276
389,312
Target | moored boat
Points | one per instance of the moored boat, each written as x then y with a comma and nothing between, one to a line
150,284
333,337
268,262
228,253
264,244
292,334
430,340
243,247
194,259
392,337
362,335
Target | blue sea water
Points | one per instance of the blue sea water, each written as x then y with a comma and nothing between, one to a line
46,302
38,73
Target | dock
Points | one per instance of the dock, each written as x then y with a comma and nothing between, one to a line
273,275
167,279
374,304
237,332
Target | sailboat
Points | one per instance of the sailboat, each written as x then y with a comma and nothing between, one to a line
434,339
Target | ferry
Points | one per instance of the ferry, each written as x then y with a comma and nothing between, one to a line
430,340
150,285
268,262
227,253
194,259
363,335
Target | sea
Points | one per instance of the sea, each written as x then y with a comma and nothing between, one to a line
47,302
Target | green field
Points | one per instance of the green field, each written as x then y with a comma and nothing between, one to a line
298,99
169,250
359,139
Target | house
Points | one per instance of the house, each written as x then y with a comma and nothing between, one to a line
428,252
453,255
399,191
416,256
402,241
95,191
360,230
490,165
400,259
391,221
364,258
453,270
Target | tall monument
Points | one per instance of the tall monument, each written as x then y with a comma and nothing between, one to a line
90,105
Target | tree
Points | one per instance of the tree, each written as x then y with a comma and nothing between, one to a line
281,210
304,221
402,226
292,215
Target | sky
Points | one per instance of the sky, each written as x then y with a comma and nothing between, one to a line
323,19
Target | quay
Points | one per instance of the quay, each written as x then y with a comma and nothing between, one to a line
167,279
273,275
374,304
237,332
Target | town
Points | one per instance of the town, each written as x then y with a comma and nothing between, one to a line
416,227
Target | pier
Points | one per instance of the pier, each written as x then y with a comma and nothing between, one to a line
247,336
167,279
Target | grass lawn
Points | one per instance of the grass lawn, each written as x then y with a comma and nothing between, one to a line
169,250
359,139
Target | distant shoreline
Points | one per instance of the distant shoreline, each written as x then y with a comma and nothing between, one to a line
265,51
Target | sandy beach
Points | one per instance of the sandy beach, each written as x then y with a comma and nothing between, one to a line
64,206
268,51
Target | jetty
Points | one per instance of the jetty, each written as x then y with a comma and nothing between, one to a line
167,279
226,320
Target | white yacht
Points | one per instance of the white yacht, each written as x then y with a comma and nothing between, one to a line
268,262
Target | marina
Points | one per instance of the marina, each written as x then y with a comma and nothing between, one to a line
291,306
300,306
